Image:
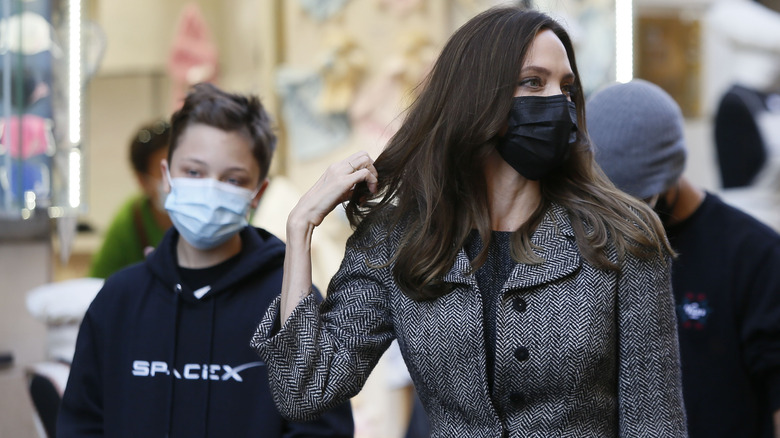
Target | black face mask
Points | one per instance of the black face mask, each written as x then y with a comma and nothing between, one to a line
539,134
664,209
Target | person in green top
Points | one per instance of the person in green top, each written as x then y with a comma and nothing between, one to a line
142,220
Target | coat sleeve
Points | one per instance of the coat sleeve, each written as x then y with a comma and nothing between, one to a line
324,353
81,411
649,383
336,422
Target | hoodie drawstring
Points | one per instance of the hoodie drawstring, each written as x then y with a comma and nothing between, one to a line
211,359
176,312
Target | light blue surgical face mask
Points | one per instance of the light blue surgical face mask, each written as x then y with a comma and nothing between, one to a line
207,212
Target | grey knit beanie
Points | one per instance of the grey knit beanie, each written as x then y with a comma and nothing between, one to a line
637,132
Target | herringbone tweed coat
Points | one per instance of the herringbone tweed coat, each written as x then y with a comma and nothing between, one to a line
580,352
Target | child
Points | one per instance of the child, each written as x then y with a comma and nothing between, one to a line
142,220
164,348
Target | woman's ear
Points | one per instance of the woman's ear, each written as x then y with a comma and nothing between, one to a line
165,175
260,191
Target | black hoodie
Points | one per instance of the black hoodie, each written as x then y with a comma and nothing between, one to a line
152,360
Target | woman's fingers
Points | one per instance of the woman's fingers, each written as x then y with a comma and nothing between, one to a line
360,162
367,174
335,186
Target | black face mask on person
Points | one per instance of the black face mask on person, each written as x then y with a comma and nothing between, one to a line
664,208
540,132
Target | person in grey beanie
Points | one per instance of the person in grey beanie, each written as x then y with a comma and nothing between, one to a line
725,280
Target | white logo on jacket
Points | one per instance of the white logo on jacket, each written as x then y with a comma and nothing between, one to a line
192,371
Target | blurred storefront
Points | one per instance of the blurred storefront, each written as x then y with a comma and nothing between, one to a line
77,77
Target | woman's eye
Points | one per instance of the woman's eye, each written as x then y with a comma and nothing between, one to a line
530,82
192,173
234,181
568,89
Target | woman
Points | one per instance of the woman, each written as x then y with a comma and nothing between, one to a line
529,297
162,349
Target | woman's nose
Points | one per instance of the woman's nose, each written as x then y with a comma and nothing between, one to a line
553,90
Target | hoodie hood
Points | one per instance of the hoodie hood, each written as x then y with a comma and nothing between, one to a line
261,251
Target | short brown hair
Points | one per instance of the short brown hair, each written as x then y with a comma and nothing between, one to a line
206,104
150,138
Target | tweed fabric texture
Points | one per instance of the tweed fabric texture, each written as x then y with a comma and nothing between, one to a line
602,356
641,158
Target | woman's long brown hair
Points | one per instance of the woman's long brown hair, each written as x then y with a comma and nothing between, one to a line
431,177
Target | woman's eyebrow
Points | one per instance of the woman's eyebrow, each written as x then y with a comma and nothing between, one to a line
542,71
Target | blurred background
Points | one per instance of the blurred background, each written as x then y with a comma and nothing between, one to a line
79,77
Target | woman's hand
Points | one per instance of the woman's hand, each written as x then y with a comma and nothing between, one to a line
334,187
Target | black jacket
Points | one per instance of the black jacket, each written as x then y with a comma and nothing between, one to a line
152,360
726,284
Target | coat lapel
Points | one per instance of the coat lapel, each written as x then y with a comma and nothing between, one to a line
555,243
459,273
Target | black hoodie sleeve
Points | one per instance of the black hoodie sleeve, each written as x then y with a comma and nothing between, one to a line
81,411
336,422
